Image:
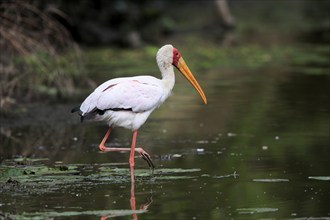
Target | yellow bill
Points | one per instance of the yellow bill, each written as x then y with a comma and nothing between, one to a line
184,69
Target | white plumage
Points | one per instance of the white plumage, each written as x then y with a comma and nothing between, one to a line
128,101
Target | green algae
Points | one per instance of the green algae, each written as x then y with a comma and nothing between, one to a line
53,214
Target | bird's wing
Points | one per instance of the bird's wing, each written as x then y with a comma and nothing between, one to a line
137,94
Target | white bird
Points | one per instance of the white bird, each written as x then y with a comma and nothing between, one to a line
128,101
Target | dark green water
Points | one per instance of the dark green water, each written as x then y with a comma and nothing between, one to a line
259,149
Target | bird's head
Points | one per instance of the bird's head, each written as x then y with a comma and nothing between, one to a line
169,55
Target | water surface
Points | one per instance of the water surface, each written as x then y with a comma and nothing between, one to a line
259,149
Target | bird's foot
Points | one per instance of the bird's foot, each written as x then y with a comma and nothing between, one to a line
145,156
147,204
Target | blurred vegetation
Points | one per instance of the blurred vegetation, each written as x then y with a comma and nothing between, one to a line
40,56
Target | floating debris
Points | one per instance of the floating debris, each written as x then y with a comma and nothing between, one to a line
270,180
53,214
256,210
200,150
226,176
231,134
324,178
202,142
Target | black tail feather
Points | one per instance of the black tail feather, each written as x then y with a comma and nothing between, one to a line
75,109
95,112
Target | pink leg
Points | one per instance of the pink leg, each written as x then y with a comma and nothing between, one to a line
101,145
131,156
142,152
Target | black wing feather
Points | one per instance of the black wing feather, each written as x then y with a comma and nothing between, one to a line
95,111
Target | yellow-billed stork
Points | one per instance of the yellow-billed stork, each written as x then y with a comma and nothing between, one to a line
128,101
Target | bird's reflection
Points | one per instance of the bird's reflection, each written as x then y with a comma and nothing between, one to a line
132,199
144,206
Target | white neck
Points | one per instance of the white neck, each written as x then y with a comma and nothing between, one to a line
168,79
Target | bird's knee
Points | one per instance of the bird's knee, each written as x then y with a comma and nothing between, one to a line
102,148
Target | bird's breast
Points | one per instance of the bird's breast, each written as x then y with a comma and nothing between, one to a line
126,119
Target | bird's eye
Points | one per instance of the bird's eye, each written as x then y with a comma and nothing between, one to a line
176,56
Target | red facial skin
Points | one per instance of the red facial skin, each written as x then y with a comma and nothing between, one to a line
176,57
